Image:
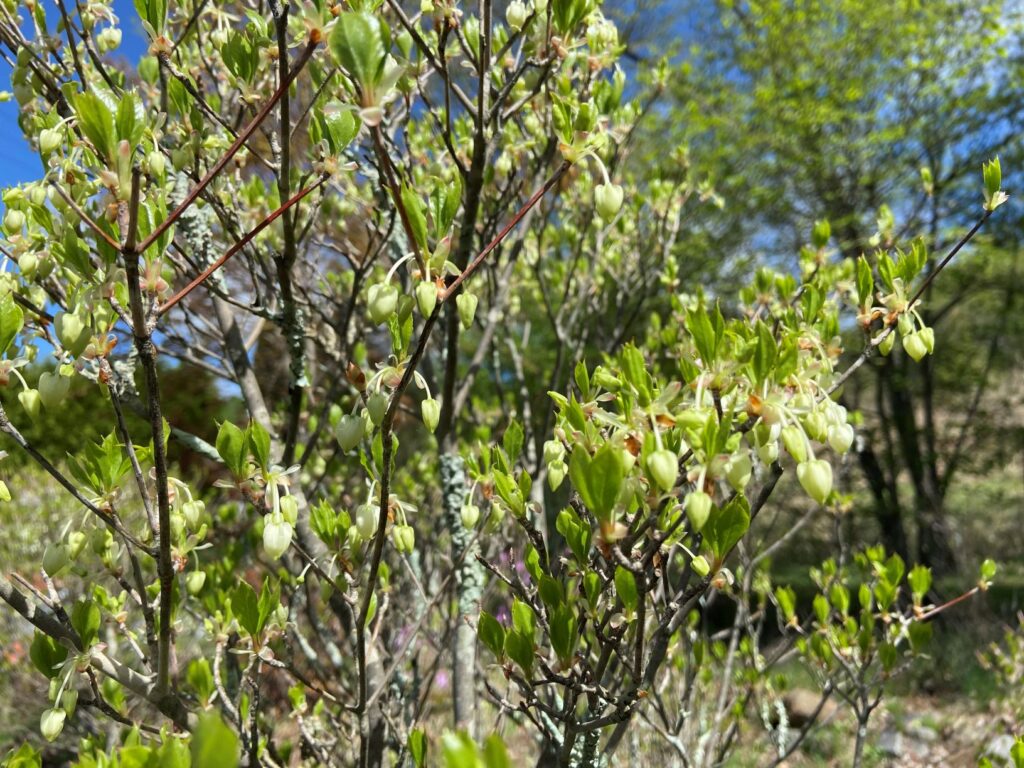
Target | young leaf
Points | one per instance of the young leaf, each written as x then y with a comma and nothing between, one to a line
85,618
11,321
491,634
213,743
724,530
259,444
625,587
232,448
360,43
244,605
418,747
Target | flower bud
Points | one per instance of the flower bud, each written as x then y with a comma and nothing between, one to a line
772,412
815,424
466,303
553,451
377,406
470,515
431,412
72,331
426,297
795,441
53,388
698,509
816,478
516,14
289,509
886,344
76,544
49,140
55,558
366,521
68,701
31,402
108,39
608,199
737,471
663,466
494,517
194,582
768,452
192,511
52,723
381,302
556,474
350,430
840,437
156,163
14,221
700,566
28,262
927,336
277,535
914,346
905,323
404,538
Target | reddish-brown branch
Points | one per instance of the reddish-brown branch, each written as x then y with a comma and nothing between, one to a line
233,149
473,265
240,245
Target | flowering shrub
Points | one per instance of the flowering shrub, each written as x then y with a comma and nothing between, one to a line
397,210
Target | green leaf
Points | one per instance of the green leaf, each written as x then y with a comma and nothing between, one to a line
563,633
495,754
270,598
418,747
625,587
259,444
153,12
550,591
360,43
130,121
85,618
47,654
200,677
11,321
698,323
232,448
245,606
512,440
491,634
213,743
97,123
417,218
519,648
598,480
920,580
523,620
1017,753
724,530
173,753
575,533
341,125
765,352
786,598
865,283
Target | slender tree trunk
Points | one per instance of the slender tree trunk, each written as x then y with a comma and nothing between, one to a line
469,584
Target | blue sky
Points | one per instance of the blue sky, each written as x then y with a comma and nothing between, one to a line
17,163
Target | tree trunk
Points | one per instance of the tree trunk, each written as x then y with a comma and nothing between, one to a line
469,584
